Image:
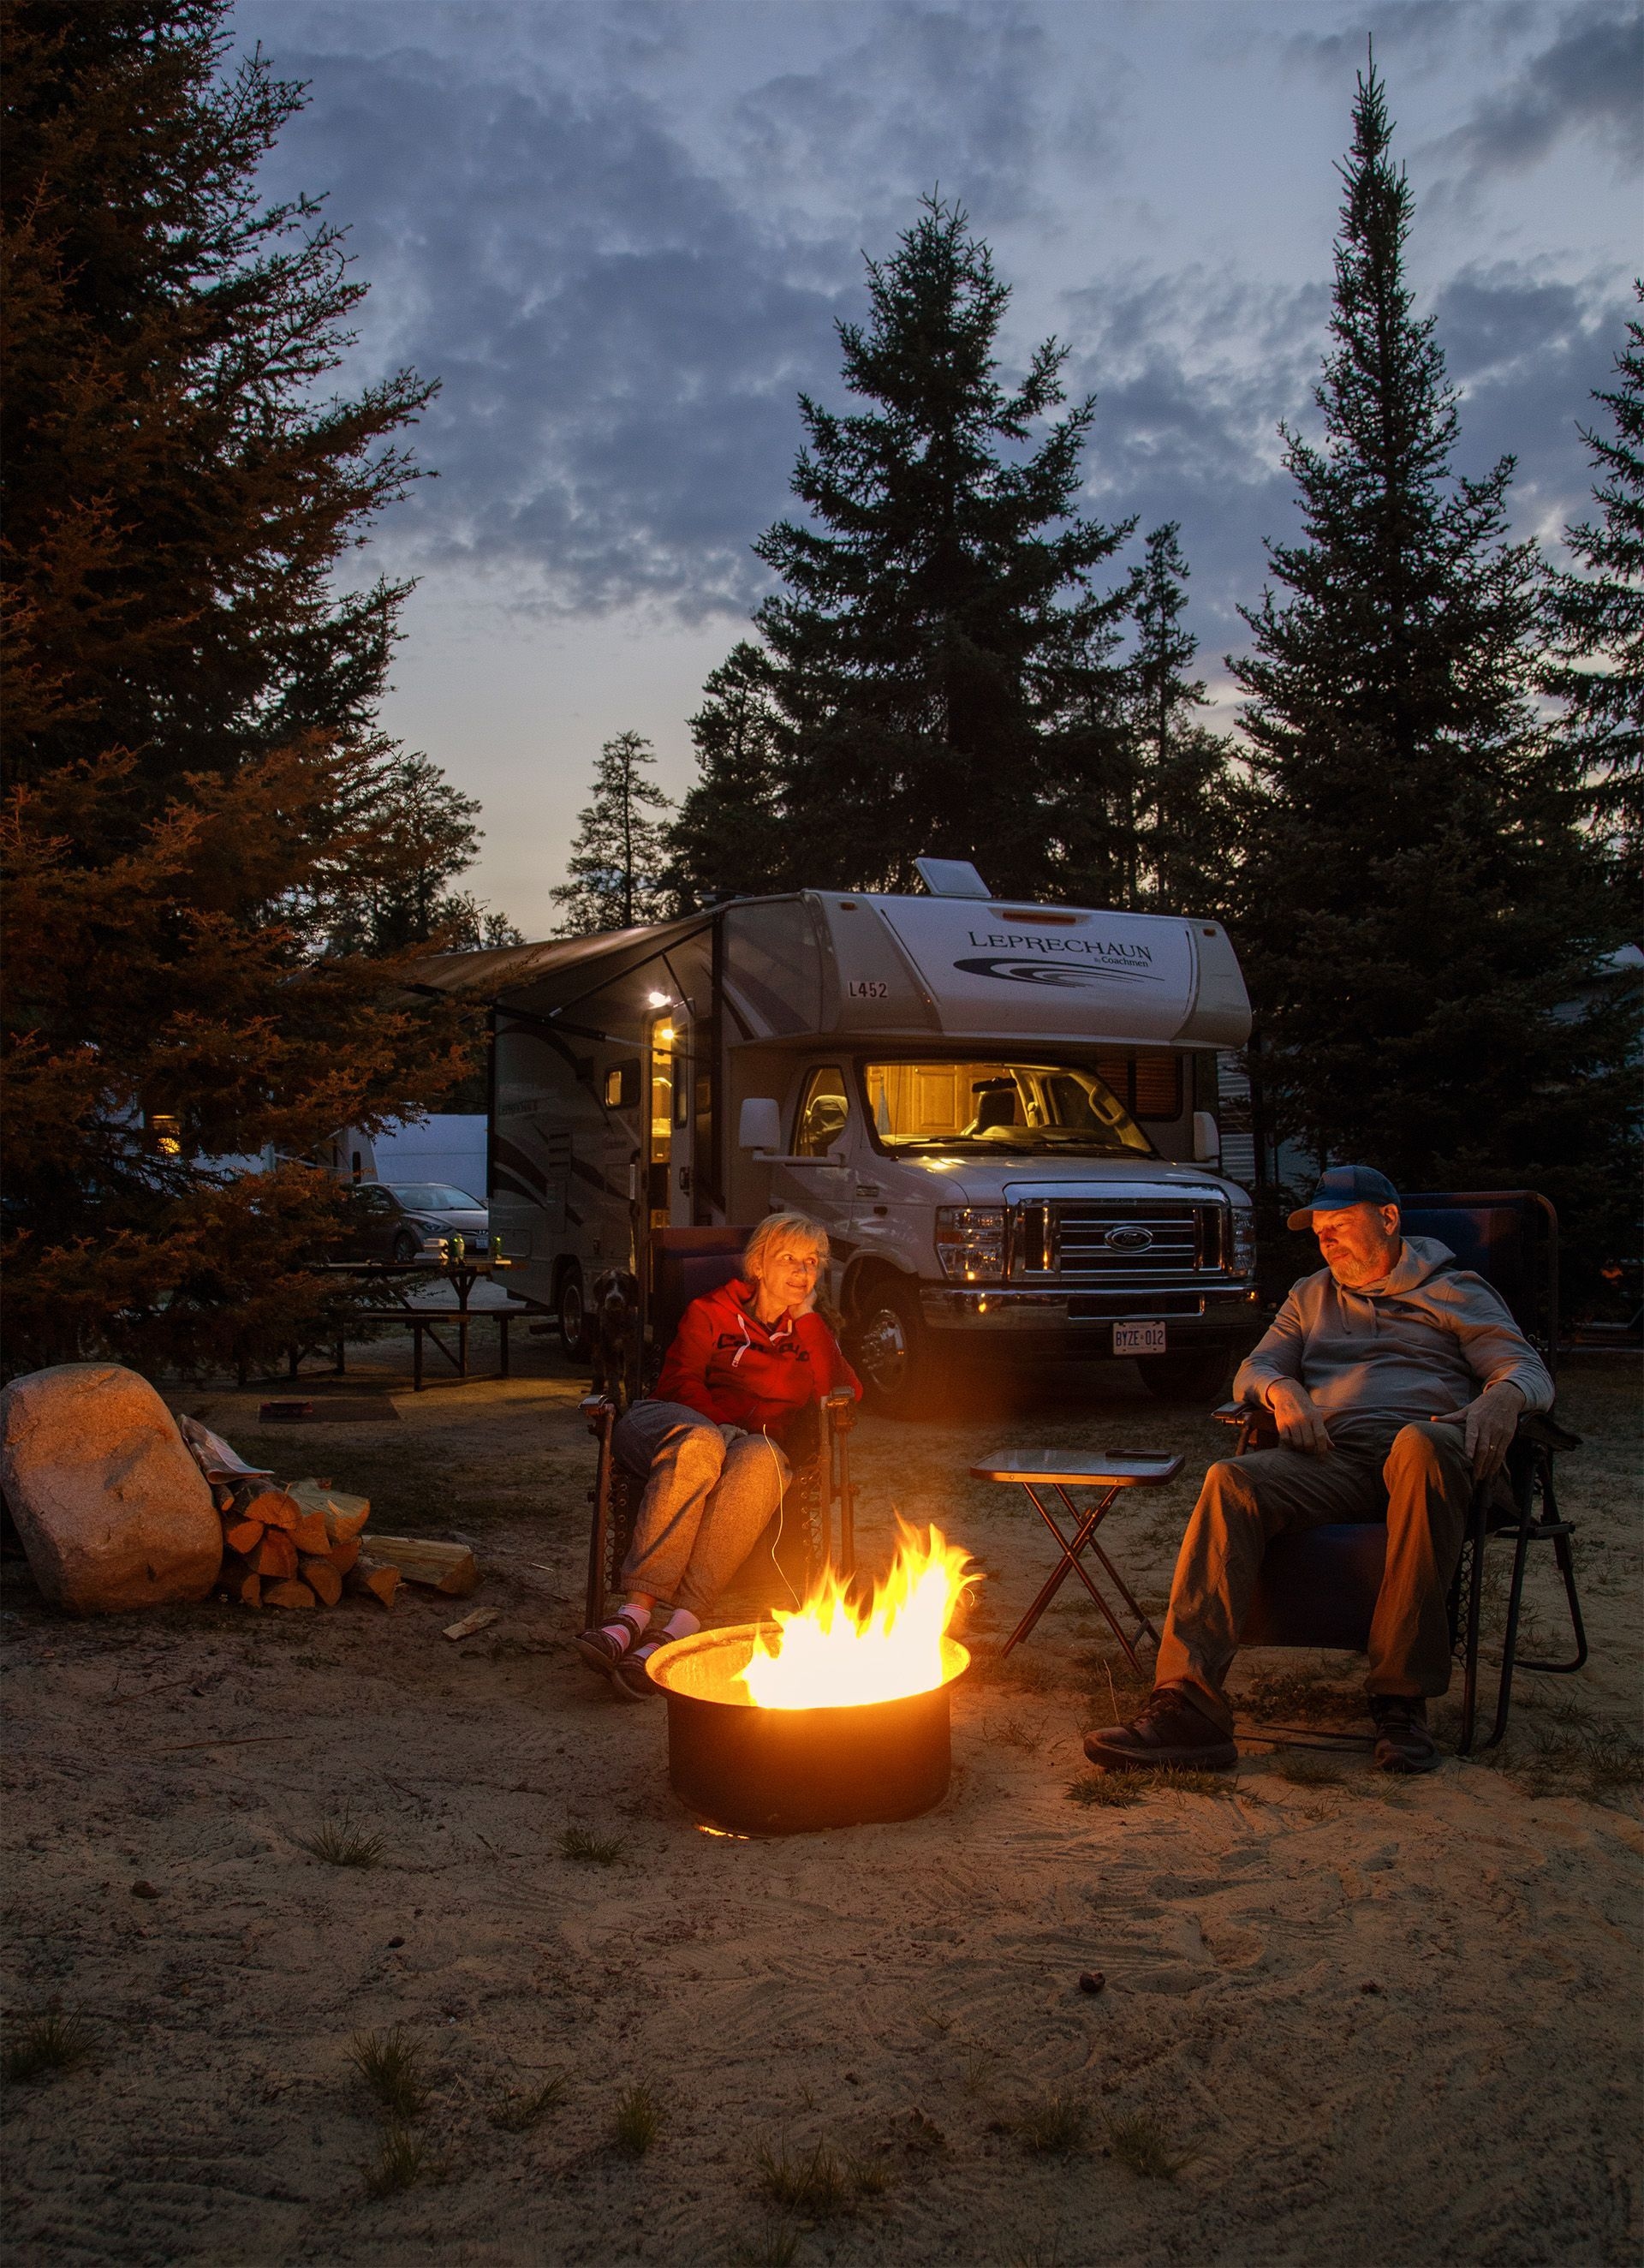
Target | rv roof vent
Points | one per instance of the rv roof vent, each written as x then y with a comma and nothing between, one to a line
951,878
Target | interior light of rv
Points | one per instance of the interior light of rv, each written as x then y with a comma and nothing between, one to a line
663,1035
656,1000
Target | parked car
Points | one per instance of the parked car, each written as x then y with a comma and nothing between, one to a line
413,1221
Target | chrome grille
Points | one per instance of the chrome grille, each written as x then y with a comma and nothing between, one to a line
1110,1242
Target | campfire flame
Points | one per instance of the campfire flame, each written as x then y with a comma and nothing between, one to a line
831,1654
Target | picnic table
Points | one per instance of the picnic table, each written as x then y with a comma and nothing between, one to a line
398,1281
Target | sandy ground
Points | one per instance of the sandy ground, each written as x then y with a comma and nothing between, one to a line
1381,2022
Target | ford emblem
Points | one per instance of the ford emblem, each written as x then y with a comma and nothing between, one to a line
1128,1240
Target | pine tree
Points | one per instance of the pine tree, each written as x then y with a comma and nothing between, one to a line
938,616
1417,904
196,781
1597,616
618,867
1186,820
729,839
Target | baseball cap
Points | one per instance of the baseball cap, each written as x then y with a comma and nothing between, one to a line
1344,1185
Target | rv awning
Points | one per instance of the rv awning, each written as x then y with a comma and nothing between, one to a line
559,970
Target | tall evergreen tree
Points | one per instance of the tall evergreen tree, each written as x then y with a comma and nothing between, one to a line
1419,904
937,604
1597,615
730,839
196,780
1187,826
618,867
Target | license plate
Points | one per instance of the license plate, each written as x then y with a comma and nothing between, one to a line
1138,1338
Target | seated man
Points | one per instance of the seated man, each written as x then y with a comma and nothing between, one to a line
749,1361
1396,1379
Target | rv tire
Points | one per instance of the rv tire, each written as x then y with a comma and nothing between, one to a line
889,1348
1202,1376
573,1314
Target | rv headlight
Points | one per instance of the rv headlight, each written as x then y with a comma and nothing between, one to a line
971,1242
1244,1240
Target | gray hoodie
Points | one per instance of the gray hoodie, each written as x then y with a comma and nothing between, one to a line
1425,1339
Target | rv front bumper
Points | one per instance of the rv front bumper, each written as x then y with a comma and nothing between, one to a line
1081,1323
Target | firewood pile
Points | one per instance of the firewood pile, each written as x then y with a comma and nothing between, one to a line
297,1547
302,1544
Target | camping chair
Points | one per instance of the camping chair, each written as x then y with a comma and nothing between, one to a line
1317,1586
689,1262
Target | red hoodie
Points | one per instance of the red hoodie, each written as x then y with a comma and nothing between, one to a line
741,1372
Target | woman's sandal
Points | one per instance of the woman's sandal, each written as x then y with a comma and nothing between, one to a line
631,1679
602,1652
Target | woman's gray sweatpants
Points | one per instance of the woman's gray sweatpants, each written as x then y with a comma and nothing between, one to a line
704,1505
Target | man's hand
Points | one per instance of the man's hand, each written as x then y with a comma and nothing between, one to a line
1491,1422
1297,1416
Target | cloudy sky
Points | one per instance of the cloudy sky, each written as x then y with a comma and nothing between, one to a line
620,232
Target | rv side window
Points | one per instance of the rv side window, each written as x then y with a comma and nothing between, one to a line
823,1114
621,1087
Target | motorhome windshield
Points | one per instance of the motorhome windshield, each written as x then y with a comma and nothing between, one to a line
992,1107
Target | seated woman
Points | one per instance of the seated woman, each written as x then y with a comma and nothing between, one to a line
749,1360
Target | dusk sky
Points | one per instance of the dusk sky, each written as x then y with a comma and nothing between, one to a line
620,233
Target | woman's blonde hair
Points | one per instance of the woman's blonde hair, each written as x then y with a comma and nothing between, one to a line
783,1228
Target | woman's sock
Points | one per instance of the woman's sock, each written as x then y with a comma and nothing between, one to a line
627,1629
681,1624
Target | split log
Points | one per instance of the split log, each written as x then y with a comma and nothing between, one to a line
321,1577
372,1580
448,1567
244,1587
244,1536
344,1515
310,1533
275,1555
287,1595
343,1556
274,1508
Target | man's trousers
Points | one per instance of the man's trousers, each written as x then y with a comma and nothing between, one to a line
1416,1477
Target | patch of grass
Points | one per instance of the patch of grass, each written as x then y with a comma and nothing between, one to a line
820,2187
778,2249
404,2159
1112,1789
1021,1670
636,2123
1141,2145
1307,1772
517,2114
1051,2126
1581,1756
1033,2252
594,1850
1013,1733
1304,1697
391,2064
1121,1789
339,1842
48,2042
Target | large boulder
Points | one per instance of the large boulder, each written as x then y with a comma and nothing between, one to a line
113,1510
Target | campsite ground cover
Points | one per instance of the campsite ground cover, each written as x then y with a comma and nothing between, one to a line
542,2018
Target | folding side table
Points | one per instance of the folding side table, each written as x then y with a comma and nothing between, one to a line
1037,1469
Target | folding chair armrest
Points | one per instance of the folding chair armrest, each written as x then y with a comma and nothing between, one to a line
1232,1413
1254,1420
601,1413
841,1408
1543,1431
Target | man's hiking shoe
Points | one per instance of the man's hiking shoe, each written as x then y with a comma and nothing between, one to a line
1166,1731
1403,1742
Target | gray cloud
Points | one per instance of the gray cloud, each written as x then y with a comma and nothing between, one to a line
1585,81
623,278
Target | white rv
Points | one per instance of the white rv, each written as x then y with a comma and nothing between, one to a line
1002,1114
